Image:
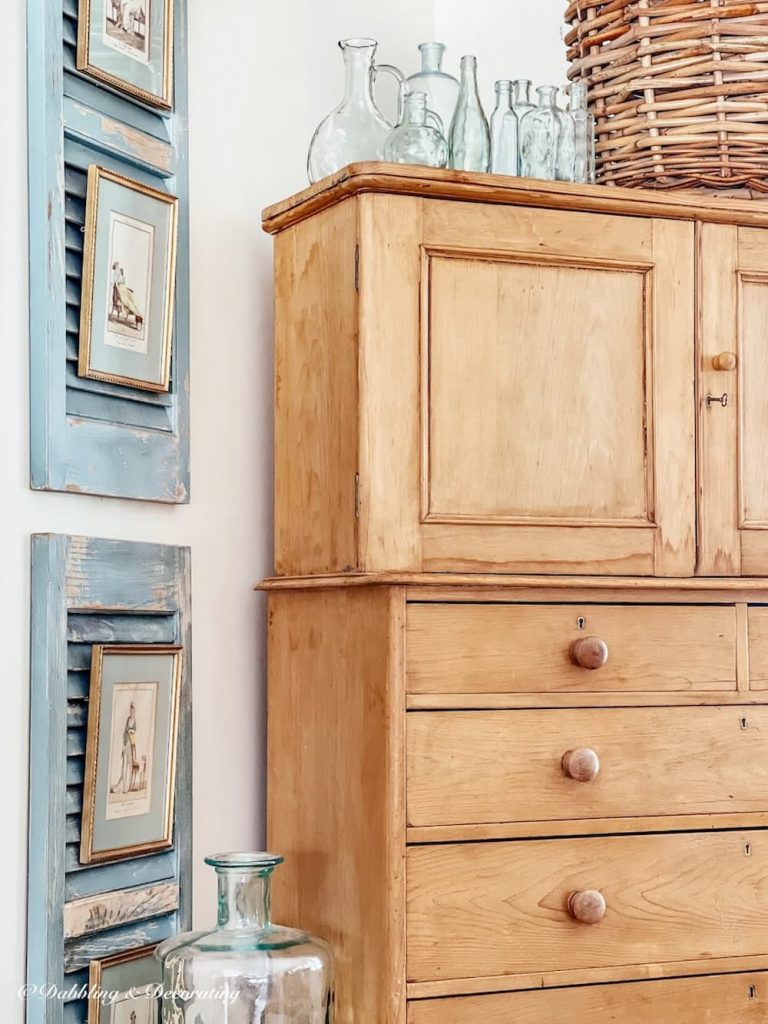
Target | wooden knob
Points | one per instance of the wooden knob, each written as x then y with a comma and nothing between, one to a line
581,764
589,652
587,906
725,361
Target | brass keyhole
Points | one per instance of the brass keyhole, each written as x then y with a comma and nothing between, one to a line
581,622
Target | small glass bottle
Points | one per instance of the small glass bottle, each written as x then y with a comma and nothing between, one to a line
441,89
521,104
566,149
540,136
414,141
469,143
584,126
504,131
246,970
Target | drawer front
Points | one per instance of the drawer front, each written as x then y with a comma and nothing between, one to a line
501,909
485,648
722,999
473,767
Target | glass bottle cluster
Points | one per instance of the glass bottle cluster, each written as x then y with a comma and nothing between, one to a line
441,122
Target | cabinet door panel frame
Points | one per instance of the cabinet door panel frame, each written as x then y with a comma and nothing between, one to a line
546,260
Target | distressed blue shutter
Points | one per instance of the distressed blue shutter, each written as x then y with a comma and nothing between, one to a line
91,436
87,591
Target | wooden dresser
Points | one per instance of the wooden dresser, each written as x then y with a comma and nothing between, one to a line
518,631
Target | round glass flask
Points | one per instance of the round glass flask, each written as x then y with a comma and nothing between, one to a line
246,970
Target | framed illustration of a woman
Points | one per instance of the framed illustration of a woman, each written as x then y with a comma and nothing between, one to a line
130,761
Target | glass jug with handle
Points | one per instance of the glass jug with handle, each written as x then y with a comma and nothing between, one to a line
356,129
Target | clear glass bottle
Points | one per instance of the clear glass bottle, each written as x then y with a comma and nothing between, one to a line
540,136
566,149
584,130
440,88
246,970
504,131
356,129
469,142
414,140
521,104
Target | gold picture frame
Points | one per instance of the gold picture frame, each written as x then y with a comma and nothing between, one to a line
130,815
162,98
99,982
147,220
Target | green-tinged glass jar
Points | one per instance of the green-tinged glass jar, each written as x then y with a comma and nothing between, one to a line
246,970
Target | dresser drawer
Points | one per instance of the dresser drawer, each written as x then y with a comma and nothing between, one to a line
502,909
474,767
499,648
719,999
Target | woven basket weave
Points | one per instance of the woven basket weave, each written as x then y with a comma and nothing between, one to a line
679,90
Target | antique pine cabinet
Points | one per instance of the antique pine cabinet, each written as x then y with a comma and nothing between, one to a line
518,628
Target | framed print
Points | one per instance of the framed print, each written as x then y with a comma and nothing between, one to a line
129,275
125,988
130,756
128,44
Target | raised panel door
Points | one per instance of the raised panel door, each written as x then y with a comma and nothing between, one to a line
544,416
733,402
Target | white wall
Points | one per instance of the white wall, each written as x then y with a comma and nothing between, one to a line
261,77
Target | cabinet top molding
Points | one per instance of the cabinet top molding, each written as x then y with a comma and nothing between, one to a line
384,178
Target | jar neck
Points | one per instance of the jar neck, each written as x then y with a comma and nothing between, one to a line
547,94
522,89
469,78
358,71
432,56
245,898
415,109
578,96
504,95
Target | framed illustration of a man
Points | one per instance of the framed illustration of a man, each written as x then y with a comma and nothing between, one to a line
129,279
130,764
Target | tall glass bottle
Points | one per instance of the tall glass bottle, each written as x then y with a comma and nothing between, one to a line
246,970
521,104
356,129
469,143
414,140
584,130
440,88
504,131
540,136
566,149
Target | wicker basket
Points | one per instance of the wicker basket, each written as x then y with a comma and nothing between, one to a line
679,89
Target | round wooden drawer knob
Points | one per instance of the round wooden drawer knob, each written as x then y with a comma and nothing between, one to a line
725,361
581,764
587,906
589,652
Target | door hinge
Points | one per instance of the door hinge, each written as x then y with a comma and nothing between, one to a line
357,268
357,495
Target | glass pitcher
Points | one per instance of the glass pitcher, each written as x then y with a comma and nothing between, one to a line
246,970
415,140
356,129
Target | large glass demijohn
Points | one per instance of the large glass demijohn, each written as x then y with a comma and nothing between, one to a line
246,970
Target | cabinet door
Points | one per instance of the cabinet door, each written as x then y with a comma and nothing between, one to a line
733,402
554,419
